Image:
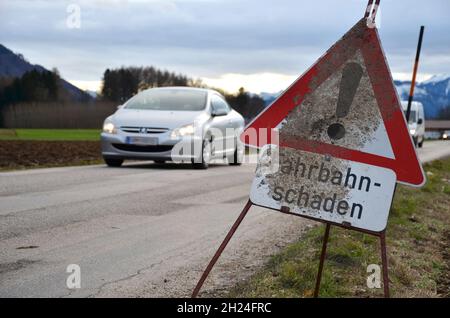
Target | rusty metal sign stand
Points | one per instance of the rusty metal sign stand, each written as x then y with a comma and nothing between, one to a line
381,235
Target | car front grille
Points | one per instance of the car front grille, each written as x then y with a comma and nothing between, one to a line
139,148
143,130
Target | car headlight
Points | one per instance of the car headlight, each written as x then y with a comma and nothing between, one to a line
187,130
108,127
412,131
444,136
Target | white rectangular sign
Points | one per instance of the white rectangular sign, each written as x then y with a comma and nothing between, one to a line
324,187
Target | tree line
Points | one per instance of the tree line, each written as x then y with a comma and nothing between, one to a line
122,83
118,85
38,90
246,104
42,86
33,86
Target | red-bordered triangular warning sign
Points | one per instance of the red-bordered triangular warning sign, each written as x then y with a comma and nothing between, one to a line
373,135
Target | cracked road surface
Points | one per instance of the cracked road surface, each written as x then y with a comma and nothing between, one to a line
143,230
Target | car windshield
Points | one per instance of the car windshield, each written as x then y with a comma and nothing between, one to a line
169,99
412,116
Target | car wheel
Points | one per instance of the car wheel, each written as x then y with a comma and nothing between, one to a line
415,141
420,144
206,156
113,162
236,159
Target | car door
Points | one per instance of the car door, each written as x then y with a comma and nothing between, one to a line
220,122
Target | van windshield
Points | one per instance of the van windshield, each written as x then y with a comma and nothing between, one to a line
412,116
168,99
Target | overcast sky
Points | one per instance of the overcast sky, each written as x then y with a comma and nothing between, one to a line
263,45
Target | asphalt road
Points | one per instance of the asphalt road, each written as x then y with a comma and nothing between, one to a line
143,230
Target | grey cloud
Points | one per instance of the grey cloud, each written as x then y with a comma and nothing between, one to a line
208,38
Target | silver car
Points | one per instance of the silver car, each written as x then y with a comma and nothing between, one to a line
179,124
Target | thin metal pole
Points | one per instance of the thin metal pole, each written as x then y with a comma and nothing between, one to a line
413,81
371,10
221,248
368,9
322,259
385,263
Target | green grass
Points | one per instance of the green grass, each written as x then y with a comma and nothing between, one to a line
50,134
418,241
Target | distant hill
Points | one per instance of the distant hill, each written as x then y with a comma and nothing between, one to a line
269,97
434,94
93,94
14,65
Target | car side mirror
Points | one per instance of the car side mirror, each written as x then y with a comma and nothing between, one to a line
120,107
219,112
420,121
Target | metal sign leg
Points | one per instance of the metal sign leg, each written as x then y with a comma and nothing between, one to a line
385,264
322,259
221,248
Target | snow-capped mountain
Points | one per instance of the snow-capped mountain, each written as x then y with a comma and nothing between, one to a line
269,97
433,93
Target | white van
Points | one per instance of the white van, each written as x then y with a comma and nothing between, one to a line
416,124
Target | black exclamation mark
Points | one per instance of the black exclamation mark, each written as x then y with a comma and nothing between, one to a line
351,76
